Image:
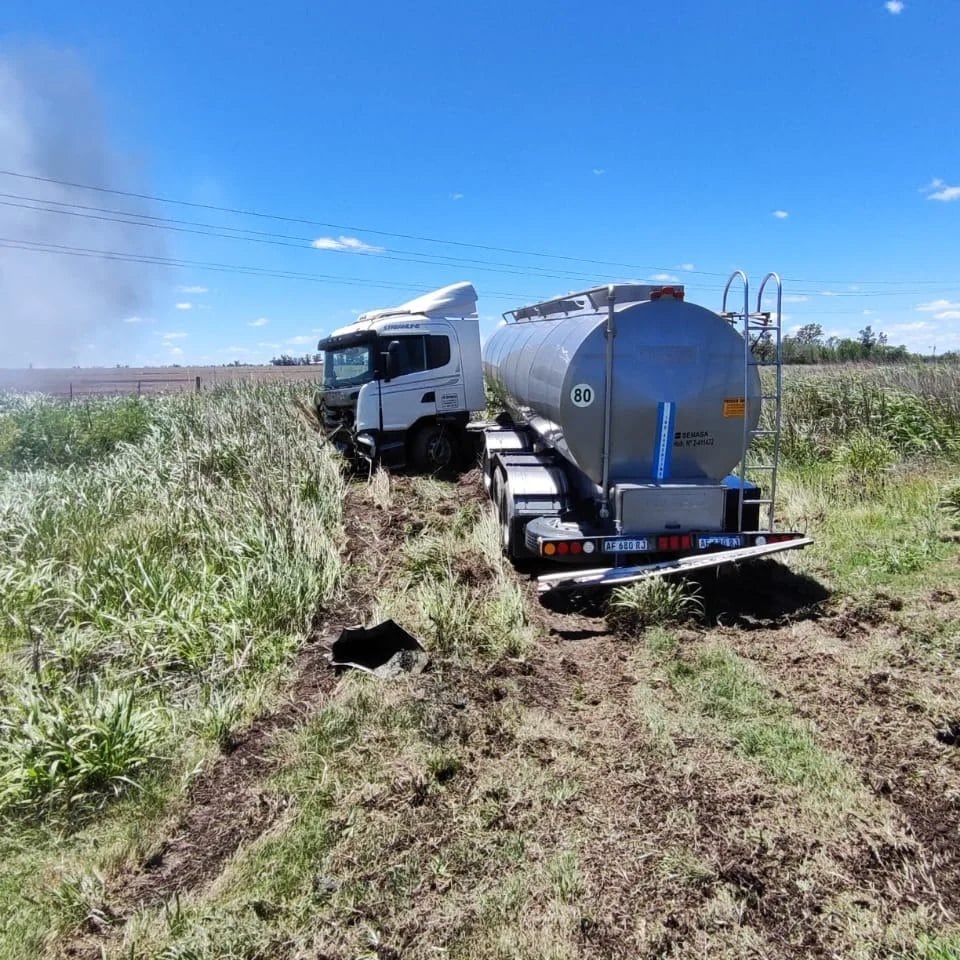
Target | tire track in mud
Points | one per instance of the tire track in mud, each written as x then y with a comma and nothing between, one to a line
873,716
638,802
227,807
637,805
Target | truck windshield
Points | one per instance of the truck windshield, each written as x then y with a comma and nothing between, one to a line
348,366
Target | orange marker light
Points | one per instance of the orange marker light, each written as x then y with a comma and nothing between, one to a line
549,549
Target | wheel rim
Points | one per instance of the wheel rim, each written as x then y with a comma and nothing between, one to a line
439,452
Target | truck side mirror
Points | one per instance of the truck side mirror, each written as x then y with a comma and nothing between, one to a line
392,357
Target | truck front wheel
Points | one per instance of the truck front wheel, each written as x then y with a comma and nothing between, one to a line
433,449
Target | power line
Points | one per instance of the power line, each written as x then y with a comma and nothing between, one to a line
33,246
288,240
273,239
239,211
36,246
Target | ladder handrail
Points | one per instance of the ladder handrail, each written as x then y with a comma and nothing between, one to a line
778,391
771,323
746,293
745,316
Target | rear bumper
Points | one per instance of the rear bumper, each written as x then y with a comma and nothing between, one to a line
573,543
616,576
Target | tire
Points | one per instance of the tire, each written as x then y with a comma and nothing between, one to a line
503,513
433,449
487,469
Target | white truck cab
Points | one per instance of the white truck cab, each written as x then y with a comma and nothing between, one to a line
399,384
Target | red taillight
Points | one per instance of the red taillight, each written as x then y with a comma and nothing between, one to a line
575,548
563,548
675,542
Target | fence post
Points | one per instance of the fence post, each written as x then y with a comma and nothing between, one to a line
138,388
198,383
71,391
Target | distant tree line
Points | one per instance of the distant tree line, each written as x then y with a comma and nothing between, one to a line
808,345
285,360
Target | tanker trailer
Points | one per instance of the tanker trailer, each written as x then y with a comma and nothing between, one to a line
631,416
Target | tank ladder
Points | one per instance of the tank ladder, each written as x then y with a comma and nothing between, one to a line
762,347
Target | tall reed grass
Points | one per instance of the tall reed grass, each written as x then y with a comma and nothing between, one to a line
176,571
910,411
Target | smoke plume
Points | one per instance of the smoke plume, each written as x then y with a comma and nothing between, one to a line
54,305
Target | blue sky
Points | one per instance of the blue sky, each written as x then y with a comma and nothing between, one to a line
683,139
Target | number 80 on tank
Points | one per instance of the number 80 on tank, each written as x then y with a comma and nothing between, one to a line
582,395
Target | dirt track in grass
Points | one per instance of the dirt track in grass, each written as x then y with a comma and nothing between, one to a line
228,804
682,845
879,698
760,877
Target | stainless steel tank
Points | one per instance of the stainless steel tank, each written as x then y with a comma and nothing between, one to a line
677,389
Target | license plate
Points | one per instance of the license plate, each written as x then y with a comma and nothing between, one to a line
626,546
719,541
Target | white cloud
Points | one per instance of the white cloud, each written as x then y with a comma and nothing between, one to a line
947,315
686,266
178,335
780,214
938,189
136,320
935,306
666,278
192,289
176,352
455,196
184,306
946,194
909,327
795,298
348,244
598,171
237,350
259,322
868,313
829,293
894,6
295,341
271,346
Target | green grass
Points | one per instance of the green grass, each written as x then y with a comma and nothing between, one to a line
888,535
911,410
936,948
653,601
155,583
726,689
152,589
39,432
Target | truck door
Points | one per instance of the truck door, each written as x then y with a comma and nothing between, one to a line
427,380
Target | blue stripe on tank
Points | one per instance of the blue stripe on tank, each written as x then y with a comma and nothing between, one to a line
663,447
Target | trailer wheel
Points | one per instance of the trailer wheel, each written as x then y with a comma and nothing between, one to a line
433,449
487,467
502,502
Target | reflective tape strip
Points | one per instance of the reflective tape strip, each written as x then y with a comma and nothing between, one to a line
663,451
